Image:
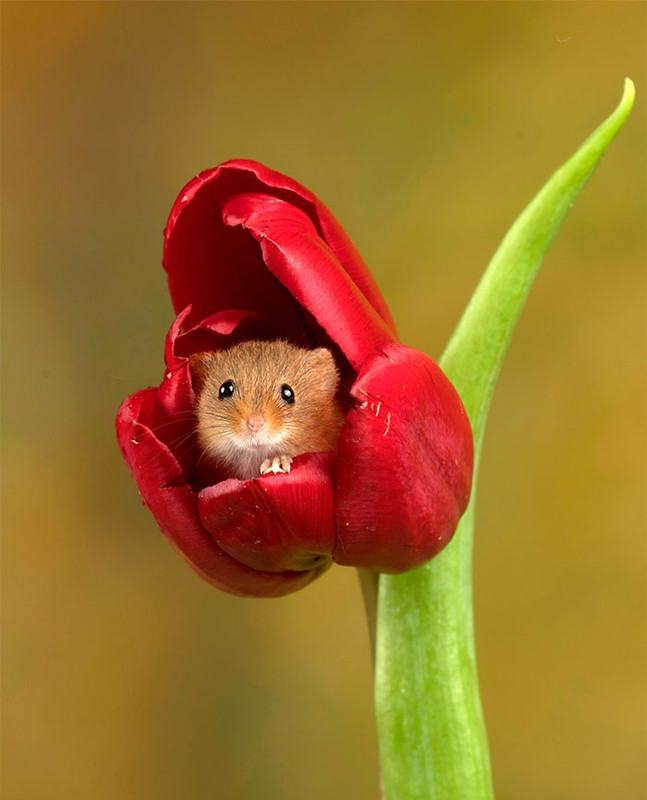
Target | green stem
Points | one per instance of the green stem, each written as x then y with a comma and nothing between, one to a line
368,582
432,735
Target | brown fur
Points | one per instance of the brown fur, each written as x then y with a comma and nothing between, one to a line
258,370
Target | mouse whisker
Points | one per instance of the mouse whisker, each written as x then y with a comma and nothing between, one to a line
204,455
175,448
173,419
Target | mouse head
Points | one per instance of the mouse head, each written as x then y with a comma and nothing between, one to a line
261,397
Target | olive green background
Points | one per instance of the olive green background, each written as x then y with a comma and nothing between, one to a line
426,127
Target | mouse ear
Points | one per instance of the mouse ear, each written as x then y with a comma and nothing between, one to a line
199,365
322,360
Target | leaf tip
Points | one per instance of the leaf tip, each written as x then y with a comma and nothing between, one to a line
628,94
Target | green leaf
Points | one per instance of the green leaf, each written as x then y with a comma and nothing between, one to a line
430,723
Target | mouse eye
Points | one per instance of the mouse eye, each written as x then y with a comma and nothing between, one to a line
226,390
287,394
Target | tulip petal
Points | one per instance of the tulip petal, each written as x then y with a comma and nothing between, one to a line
222,330
328,227
275,522
215,268
407,442
306,266
173,504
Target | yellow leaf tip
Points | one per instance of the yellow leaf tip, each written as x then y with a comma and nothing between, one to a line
629,92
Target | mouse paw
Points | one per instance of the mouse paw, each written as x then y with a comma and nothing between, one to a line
276,464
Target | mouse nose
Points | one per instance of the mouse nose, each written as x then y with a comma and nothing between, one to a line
256,423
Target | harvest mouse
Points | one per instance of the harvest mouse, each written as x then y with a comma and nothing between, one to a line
261,404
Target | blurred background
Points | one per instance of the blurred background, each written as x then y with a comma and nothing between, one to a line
426,127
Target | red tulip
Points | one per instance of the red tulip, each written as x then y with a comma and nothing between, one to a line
252,254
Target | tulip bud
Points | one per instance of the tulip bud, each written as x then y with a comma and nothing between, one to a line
251,254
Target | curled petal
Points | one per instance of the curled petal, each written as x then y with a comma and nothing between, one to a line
405,464
307,267
172,359
221,330
175,395
276,522
214,267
